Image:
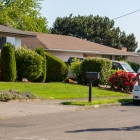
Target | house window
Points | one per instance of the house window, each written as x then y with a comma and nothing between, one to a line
119,58
2,41
107,56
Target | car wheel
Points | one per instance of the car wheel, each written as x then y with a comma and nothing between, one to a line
136,102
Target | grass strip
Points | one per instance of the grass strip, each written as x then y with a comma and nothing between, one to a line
97,102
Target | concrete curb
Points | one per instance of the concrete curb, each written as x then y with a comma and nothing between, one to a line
108,105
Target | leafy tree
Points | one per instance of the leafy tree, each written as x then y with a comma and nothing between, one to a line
96,29
23,14
8,63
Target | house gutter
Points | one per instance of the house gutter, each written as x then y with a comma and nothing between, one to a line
16,34
90,52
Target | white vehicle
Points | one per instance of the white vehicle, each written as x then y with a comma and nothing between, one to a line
119,65
136,94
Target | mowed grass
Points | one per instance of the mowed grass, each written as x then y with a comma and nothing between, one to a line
97,102
59,90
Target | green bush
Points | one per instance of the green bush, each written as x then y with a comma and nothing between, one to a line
8,63
101,65
75,68
42,78
133,65
56,69
29,64
110,73
122,80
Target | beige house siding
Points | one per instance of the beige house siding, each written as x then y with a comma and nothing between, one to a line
64,56
91,55
134,59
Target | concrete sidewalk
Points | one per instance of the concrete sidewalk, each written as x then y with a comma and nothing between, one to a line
25,108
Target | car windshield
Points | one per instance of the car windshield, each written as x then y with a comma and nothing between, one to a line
127,67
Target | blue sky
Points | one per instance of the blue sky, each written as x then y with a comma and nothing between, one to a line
51,9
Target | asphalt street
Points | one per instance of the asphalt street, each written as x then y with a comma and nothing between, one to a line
52,121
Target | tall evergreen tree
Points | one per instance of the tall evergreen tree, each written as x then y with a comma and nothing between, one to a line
8,63
96,29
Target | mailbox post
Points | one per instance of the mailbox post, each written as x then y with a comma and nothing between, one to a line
92,76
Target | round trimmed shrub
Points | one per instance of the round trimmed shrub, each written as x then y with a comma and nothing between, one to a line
95,64
42,78
8,63
56,69
29,64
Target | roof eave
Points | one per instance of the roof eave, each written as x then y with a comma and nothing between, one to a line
90,52
16,34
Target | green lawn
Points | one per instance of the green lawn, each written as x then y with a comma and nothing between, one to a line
59,90
97,102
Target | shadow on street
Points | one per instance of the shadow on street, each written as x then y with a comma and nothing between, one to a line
133,128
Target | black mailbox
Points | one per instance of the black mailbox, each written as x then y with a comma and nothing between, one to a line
92,76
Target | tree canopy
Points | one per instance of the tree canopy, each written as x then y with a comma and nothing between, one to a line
96,29
23,14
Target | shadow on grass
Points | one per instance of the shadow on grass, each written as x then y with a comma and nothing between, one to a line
99,102
133,128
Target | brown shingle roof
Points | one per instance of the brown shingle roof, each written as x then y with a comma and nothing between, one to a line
31,43
7,31
69,43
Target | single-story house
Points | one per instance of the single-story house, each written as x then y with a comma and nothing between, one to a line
13,36
64,47
134,59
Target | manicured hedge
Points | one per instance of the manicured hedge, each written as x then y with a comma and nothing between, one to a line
101,65
29,64
41,52
56,69
8,63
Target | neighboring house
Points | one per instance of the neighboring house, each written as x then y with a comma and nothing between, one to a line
64,47
134,59
13,36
